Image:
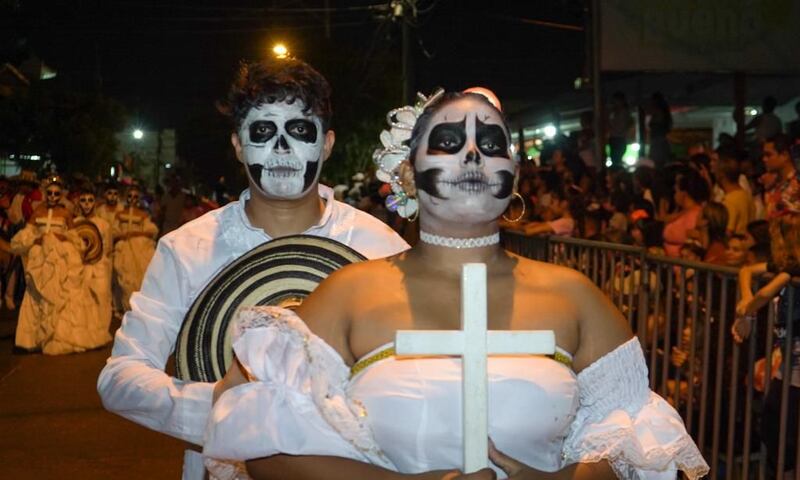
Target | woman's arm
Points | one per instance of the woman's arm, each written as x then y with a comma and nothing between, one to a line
580,471
767,293
750,304
601,326
746,279
233,377
301,467
602,329
538,228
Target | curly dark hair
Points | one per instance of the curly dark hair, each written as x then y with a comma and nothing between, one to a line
277,80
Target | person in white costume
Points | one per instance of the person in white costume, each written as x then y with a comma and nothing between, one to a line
134,245
274,105
97,275
319,393
52,316
109,209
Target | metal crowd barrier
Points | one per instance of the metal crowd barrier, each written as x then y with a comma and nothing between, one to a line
682,313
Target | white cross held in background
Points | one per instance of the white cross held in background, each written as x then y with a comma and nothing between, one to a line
473,343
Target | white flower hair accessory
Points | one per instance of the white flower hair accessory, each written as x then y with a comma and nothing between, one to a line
392,159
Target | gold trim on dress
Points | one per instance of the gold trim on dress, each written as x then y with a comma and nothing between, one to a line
366,362
389,351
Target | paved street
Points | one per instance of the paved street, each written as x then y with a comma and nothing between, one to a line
52,425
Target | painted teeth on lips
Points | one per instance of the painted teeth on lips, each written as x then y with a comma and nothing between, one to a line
282,171
471,182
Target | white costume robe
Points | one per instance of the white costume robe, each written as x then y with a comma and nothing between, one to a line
405,414
109,216
52,315
97,283
132,255
133,383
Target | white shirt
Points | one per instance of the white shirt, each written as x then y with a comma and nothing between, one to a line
133,383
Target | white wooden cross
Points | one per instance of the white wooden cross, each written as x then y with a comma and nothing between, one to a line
49,220
473,343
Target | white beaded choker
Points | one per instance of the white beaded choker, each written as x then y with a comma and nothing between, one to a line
451,242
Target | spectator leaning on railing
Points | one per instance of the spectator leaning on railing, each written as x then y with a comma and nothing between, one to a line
785,264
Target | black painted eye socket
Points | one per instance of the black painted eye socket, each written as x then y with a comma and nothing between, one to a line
447,138
491,139
261,131
489,147
302,129
448,142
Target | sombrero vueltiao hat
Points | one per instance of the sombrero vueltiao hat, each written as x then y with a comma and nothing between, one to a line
280,273
88,232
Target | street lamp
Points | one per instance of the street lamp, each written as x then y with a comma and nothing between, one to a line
138,134
280,50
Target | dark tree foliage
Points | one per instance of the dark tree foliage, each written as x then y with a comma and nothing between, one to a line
75,129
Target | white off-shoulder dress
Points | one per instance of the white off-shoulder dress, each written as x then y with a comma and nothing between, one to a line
405,414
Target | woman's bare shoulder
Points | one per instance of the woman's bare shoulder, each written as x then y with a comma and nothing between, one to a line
359,275
550,273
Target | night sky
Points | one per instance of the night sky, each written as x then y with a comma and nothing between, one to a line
169,61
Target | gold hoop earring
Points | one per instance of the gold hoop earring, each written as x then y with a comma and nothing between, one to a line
522,214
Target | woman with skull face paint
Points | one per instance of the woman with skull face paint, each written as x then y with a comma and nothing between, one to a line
134,245
50,316
324,397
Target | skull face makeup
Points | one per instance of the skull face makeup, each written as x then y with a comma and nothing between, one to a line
53,195
133,198
282,148
112,195
86,203
464,171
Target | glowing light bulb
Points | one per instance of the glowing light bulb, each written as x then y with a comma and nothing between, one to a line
280,50
138,134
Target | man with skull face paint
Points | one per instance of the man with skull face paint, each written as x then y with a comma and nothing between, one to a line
51,316
97,277
281,133
134,245
585,413
109,209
